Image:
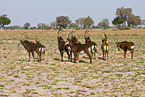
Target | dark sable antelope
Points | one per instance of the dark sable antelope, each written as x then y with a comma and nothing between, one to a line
105,47
92,45
126,46
62,46
73,37
77,47
31,47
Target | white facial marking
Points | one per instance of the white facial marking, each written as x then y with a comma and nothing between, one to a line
40,49
66,43
69,48
93,47
132,47
89,49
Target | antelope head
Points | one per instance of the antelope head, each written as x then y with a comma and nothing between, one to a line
21,37
105,39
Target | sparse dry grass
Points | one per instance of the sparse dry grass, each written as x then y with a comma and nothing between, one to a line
51,77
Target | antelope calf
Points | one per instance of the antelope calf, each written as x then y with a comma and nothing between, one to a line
92,45
105,47
62,46
31,47
126,46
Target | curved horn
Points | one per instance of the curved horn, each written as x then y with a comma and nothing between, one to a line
69,34
58,33
105,35
73,31
22,35
86,32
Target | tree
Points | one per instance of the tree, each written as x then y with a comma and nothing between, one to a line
53,25
143,22
117,22
41,26
62,21
4,20
133,20
85,22
73,25
122,14
104,23
80,22
15,27
88,22
27,25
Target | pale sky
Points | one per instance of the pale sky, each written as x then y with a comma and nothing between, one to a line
46,11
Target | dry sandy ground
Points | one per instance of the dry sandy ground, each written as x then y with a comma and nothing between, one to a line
53,78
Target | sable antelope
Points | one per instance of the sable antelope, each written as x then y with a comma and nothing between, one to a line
105,47
92,45
126,46
62,46
105,39
31,47
77,47
73,37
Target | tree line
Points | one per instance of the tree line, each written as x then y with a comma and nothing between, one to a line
124,19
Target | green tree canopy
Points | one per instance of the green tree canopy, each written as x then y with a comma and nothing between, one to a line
88,22
117,21
62,21
73,25
41,26
125,16
85,22
53,24
133,20
4,20
27,25
104,23
80,22
143,22
123,13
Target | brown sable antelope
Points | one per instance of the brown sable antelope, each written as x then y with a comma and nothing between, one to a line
63,46
126,46
105,47
77,47
74,37
92,45
31,47
105,39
